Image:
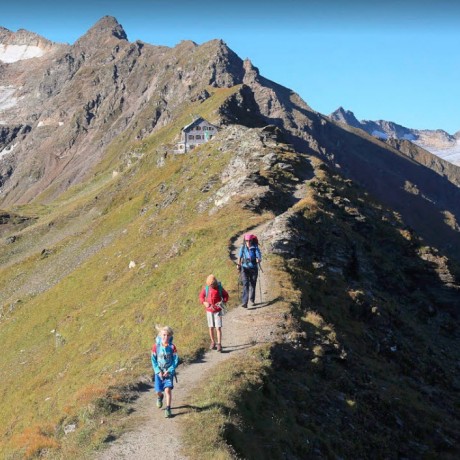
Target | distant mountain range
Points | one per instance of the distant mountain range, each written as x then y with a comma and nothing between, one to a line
438,142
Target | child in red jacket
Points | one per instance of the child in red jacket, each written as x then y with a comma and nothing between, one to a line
212,296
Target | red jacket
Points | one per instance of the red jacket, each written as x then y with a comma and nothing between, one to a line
213,297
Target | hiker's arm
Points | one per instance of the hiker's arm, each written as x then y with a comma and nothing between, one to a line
202,298
155,366
224,295
258,255
240,257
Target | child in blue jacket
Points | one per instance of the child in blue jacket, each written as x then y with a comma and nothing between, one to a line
164,363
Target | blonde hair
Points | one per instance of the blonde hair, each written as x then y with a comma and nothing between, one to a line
168,329
210,280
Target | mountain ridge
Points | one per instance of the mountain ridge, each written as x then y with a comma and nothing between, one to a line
105,233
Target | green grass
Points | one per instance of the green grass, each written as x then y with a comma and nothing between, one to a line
91,329
221,412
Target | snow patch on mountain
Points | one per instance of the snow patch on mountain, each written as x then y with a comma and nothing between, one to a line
451,154
14,53
380,134
6,97
8,149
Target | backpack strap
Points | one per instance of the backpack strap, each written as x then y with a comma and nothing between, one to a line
243,254
219,286
246,254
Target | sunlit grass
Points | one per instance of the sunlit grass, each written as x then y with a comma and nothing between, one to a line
92,328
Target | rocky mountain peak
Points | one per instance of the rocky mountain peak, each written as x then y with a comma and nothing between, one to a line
107,28
250,69
5,34
22,37
345,116
20,45
224,65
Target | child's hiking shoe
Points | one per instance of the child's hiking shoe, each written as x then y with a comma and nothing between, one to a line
168,412
160,402
219,347
212,346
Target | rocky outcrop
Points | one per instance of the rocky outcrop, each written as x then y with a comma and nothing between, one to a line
346,117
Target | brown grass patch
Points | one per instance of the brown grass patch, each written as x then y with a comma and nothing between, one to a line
89,394
315,319
35,440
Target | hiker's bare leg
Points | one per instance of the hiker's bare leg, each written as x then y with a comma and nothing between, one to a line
168,394
211,334
219,334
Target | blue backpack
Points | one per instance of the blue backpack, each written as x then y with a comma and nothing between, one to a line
249,255
159,344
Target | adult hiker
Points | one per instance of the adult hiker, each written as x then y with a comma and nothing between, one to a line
164,363
213,296
248,262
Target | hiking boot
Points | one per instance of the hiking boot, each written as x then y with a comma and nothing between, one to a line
219,347
160,402
168,412
244,305
212,346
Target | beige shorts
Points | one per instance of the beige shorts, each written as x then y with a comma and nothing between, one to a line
214,319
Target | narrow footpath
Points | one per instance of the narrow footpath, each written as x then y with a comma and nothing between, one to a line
151,435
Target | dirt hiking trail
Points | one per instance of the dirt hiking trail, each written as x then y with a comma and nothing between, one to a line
151,435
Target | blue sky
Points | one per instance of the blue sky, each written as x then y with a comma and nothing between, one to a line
391,60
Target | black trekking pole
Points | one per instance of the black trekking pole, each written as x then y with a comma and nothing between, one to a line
260,283
239,284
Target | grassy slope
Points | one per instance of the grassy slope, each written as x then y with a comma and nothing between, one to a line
96,322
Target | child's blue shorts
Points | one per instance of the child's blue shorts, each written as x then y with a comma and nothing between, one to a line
162,383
